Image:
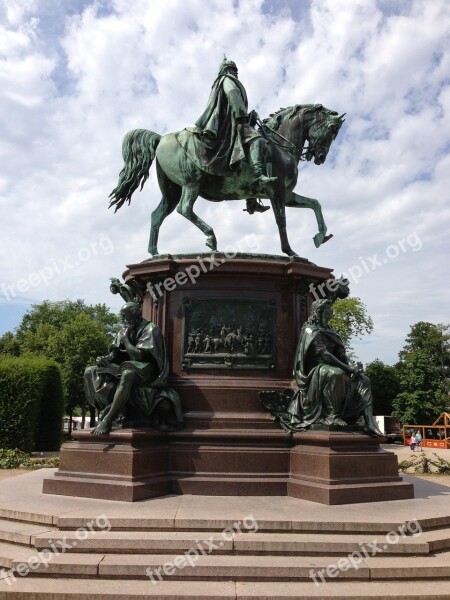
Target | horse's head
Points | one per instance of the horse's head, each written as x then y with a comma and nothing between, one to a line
323,129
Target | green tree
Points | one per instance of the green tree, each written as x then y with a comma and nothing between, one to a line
385,384
424,374
350,319
9,345
76,346
69,332
58,314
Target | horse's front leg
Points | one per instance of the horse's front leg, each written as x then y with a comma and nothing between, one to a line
278,207
297,201
186,208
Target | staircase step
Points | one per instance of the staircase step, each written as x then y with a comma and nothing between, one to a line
134,542
437,539
122,542
27,516
410,567
222,567
342,590
254,568
10,552
307,543
163,567
21,533
69,565
40,588
152,523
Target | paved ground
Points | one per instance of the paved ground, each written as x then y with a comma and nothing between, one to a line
23,495
404,453
7,473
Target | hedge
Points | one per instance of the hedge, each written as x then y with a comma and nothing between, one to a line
31,404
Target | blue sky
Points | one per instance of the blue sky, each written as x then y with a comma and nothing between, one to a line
76,76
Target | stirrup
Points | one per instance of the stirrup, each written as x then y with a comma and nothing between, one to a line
257,207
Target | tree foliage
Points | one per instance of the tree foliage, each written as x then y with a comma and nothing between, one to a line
76,346
424,374
68,332
9,345
385,384
58,314
350,319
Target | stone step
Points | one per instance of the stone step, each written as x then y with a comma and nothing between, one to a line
10,553
272,568
153,523
33,588
437,539
313,544
29,515
125,542
158,567
20,532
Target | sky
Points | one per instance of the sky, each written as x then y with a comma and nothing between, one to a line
76,75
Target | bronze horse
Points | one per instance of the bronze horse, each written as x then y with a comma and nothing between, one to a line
182,181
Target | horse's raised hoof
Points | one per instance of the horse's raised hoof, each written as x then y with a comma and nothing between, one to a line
211,242
321,238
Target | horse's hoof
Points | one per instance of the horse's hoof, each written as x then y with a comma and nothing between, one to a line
290,253
321,238
211,242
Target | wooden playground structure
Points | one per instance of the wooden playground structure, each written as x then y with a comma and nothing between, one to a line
436,435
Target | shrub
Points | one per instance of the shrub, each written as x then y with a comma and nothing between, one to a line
48,430
15,459
31,403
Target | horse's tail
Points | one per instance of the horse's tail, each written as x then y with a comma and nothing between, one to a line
138,151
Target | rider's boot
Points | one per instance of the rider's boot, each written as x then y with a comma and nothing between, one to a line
257,164
254,205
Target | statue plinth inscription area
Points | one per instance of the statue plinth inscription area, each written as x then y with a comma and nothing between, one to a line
230,333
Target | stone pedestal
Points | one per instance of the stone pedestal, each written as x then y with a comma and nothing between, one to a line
334,467
231,327
230,462
128,465
229,445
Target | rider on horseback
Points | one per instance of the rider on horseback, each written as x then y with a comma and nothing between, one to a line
227,132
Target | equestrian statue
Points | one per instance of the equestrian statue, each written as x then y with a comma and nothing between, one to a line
230,154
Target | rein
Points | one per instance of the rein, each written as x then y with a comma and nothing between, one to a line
299,155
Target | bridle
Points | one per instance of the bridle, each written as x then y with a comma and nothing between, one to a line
305,153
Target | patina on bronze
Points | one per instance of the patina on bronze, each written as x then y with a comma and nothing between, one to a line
228,334
224,157
131,381
328,391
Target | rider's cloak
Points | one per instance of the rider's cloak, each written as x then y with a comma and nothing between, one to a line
216,143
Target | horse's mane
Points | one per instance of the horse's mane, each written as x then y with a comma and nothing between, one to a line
275,119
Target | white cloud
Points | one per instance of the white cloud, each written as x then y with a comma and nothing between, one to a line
75,78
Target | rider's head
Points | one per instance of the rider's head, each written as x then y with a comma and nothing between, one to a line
228,67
